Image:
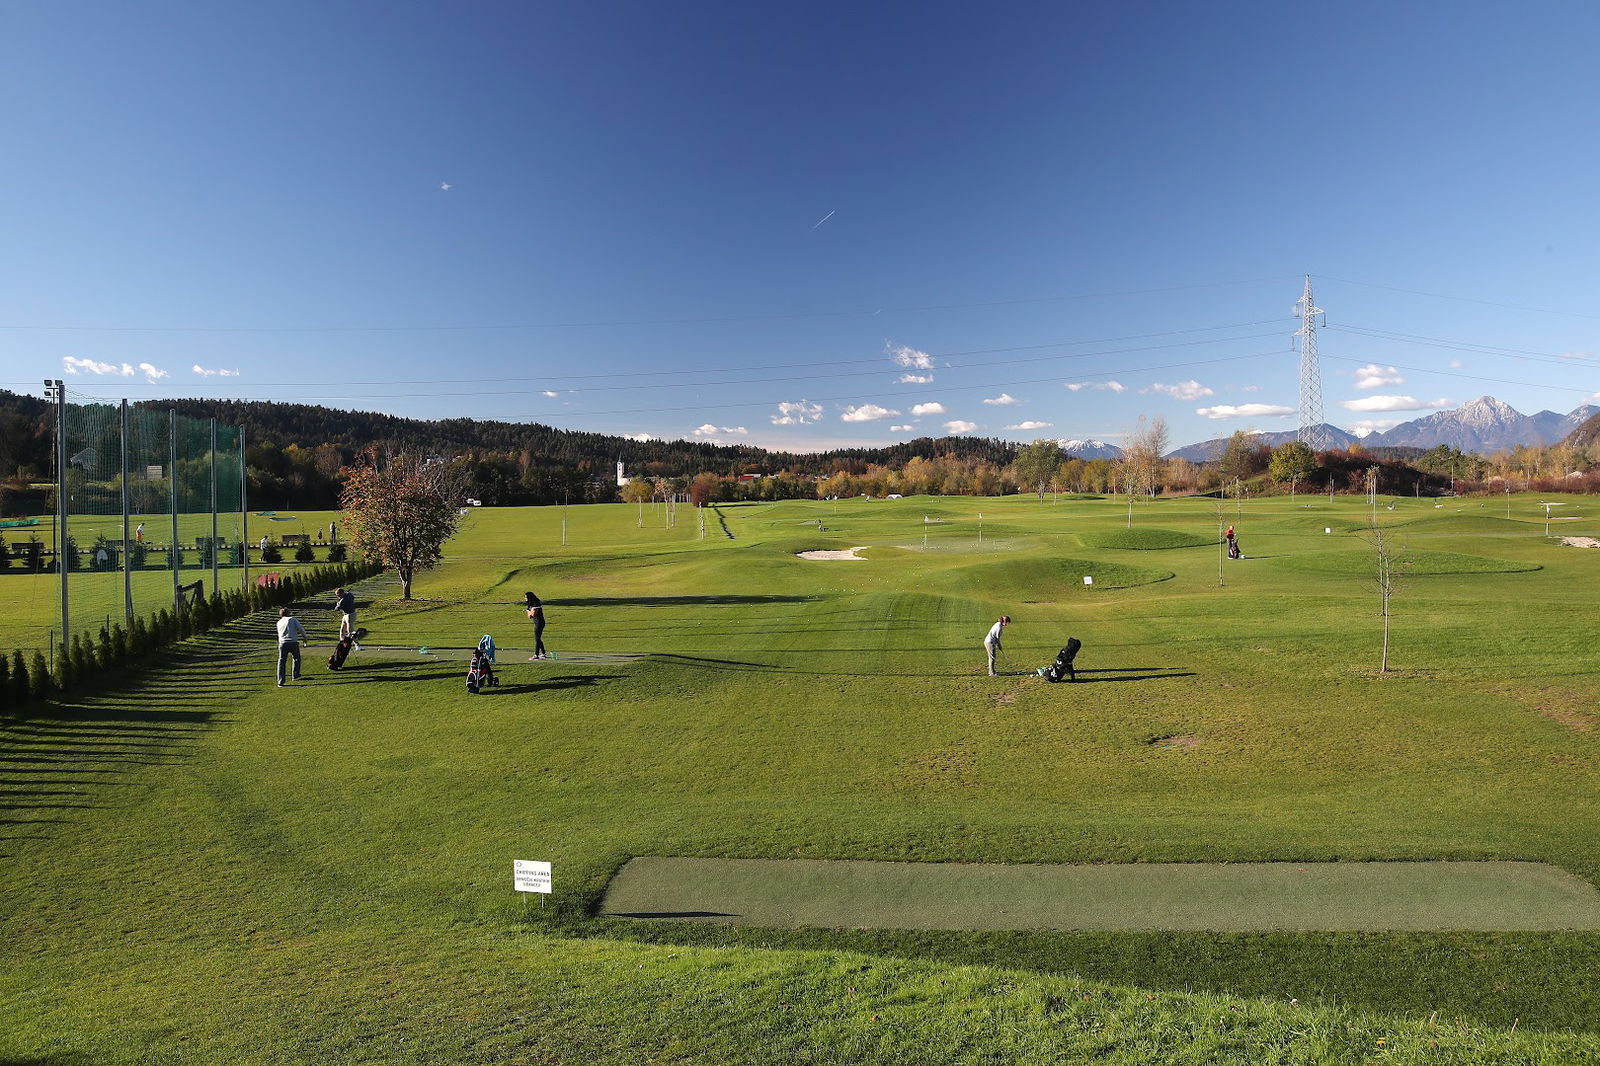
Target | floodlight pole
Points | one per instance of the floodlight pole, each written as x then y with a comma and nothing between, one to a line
56,389
214,507
127,564
244,518
172,482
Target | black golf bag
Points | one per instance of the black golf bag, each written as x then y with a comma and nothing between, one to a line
1061,669
480,675
341,652
1233,549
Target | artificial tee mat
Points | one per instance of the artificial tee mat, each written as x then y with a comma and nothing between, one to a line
1356,896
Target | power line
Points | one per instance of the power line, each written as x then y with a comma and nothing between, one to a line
885,395
345,387
1458,299
1470,347
1470,377
346,394
785,316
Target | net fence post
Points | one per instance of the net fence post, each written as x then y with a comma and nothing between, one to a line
61,499
172,482
127,562
214,565
244,518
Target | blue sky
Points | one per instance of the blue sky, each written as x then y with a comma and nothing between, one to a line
1017,201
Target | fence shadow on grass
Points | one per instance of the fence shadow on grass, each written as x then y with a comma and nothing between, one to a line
68,754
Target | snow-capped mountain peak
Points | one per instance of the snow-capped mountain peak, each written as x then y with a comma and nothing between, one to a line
1090,449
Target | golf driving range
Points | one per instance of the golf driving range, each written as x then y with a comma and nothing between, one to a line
790,818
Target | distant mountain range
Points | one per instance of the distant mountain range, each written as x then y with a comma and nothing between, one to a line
1484,425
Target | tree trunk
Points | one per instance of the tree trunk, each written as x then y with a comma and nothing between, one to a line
1384,667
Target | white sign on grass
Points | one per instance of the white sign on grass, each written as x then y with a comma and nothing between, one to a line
530,876
1088,580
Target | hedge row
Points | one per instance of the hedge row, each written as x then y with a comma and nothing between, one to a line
85,658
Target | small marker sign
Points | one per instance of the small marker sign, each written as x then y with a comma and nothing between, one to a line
1088,580
530,876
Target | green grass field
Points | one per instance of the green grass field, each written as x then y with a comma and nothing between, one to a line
200,867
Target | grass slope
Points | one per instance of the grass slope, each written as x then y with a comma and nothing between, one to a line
197,866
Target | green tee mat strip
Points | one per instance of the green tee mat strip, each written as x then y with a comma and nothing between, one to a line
1141,896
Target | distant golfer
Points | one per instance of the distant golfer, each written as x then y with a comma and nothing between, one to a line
535,608
138,534
991,643
290,635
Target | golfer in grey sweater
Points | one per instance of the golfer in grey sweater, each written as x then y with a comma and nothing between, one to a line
290,634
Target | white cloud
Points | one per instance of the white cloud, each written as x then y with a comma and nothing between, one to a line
904,356
1456,364
638,436
1577,355
710,431
1373,376
1005,399
959,426
1182,390
1368,426
1244,410
1393,403
550,393
152,373
901,429
928,409
1031,425
203,372
799,413
867,412
916,379
1108,386
1250,388
73,365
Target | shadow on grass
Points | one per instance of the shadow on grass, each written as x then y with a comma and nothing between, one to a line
1119,675
62,754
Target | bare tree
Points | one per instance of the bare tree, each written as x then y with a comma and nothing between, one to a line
1391,566
1141,459
401,509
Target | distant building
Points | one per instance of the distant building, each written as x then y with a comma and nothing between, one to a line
622,479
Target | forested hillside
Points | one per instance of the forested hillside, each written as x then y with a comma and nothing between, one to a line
294,451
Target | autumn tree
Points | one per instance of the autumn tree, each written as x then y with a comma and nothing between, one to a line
400,510
1292,462
1036,464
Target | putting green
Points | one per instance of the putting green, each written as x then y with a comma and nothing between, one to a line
1323,897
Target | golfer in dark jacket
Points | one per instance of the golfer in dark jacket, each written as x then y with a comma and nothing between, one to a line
536,612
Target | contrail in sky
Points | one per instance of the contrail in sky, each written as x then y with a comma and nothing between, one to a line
823,219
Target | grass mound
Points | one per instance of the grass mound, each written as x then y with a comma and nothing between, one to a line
1468,523
1417,563
1034,579
1142,539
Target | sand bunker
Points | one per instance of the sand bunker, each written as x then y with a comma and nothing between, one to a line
849,553
1581,542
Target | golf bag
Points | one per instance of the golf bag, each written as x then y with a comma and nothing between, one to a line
1061,669
341,652
1233,549
480,674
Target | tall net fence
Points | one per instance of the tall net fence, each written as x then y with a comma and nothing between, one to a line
153,517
